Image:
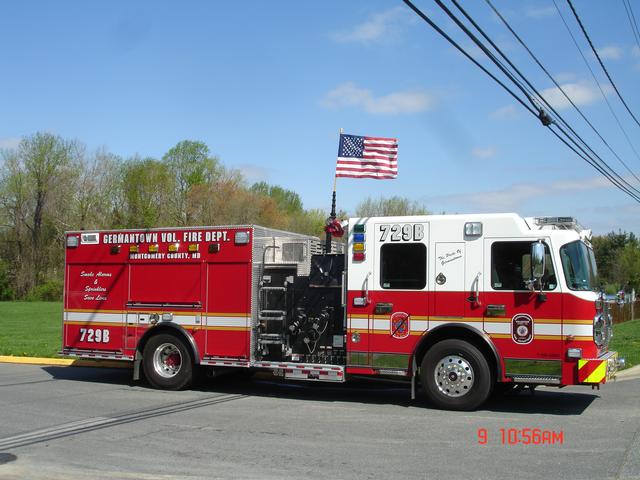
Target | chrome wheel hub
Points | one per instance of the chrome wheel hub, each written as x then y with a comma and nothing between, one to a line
453,376
167,360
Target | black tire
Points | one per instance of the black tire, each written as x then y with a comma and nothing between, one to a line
167,362
455,375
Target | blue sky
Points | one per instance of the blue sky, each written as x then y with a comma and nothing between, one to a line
268,85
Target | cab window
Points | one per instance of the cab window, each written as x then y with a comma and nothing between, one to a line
403,266
511,266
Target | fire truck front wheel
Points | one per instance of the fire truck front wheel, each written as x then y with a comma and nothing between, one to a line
168,363
455,375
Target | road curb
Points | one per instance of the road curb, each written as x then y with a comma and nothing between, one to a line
63,362
629,373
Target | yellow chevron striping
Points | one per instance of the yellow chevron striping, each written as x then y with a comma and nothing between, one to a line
597,376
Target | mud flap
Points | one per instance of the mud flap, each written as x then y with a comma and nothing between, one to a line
414,368
136,366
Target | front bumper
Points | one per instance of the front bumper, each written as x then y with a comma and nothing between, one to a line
599,370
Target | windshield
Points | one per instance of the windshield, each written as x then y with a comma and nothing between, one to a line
579,266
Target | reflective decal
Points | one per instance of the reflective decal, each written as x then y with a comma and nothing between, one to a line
522,328
400,325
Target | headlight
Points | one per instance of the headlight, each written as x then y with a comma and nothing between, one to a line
599,330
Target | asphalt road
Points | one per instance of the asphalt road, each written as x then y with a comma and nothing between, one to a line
91,423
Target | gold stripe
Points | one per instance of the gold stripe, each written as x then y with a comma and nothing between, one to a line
234,329
578,322
499,335
95,324
456,319
208,314
81,310
598,374
547,320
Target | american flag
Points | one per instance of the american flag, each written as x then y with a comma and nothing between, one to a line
367,157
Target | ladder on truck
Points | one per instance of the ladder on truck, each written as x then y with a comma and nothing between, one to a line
266,314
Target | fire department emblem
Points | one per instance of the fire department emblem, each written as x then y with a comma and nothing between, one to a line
522,328
400,325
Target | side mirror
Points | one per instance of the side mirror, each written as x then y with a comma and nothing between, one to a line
537,260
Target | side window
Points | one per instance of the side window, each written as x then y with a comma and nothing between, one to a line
403,266
511,266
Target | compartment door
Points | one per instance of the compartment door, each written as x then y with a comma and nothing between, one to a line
449,285
228,320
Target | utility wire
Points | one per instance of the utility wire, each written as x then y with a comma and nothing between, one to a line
466,54
613,174
595,52
595,78
632,22
504,21
541,115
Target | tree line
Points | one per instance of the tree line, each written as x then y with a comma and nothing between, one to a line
50,185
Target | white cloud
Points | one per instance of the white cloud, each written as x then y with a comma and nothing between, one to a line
540,12
379,26
9,143
508,112
350,95
484,152
581,93
610,52
254,173
513,197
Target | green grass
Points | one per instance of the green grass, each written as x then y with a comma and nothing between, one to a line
30,329
33,329
626,341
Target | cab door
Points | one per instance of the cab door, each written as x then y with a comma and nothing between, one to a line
525,325
399,300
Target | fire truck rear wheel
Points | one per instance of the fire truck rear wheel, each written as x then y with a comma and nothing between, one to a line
455,375
168,362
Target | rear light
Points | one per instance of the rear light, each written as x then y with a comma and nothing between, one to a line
72,241
358,247
358,256
153,248
214,247
193,247
173,247
241,238
133,248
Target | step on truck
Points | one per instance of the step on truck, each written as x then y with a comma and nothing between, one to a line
455,305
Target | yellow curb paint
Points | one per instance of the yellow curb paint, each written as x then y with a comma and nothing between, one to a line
65,362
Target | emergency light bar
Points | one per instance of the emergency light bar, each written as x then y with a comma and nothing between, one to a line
562,223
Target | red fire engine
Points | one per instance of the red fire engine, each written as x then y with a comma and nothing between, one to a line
458,304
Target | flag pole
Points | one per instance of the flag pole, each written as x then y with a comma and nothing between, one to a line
332,215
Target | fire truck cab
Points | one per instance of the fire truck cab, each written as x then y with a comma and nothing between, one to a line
456,304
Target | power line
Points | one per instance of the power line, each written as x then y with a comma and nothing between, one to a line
504,21
466,54
632,22
595,78
613,177
620,181
595,52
